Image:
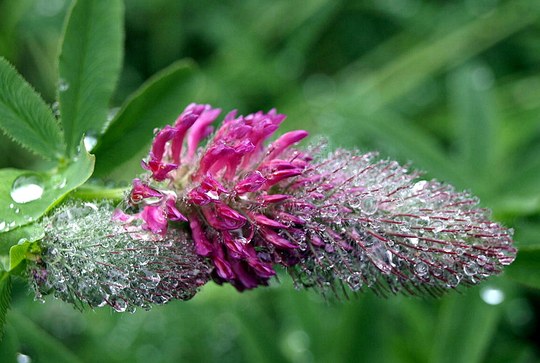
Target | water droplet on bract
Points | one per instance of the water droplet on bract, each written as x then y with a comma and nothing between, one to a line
152,279
63,85
90,140
355,281
120,305
470,269
419,186
27,188
437,226
452,280
2,225
11,205
421,269
355,202
481,260
17,211
369,205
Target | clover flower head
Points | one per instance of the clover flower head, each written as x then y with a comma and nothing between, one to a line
331,218
89,260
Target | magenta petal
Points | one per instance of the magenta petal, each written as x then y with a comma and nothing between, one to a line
274,198
264,220
159,170
284,141
235,247
222,217
203,246
155,219
173,213
279,175
276,239
244,279
119,216
250,183
142,191
158,146
183,123
223,268
200,129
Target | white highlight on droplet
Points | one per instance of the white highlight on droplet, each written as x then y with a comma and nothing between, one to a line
492,296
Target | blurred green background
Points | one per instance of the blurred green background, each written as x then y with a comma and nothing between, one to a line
451,86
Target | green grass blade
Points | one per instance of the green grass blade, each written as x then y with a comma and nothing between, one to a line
156,103
476,125
89,66
24,116
525,268
5,299
46,347
466,326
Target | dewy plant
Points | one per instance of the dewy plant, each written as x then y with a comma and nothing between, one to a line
233,209
225,204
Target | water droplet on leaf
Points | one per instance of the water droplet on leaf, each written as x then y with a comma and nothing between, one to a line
90,140
63,85
27,188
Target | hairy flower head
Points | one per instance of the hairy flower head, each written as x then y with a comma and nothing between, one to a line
330,218
90,260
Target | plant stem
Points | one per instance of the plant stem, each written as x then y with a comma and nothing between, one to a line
93,193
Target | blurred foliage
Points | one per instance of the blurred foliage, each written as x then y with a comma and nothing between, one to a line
452,86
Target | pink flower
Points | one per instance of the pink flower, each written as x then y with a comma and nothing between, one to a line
331,219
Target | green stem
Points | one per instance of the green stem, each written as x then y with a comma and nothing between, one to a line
94,193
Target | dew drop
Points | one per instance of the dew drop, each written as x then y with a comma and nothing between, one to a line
90,140
120,305
27,188
17,211
355,281
23,358
413,241
470,269
2,225
419,186
421,269
11,205
63,85
59,181
355,202
369,205
55,107
452,280
481,260
437,226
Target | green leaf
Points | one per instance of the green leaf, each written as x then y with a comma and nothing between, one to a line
156,103
526,267
30,232
476,124
89,65
46,347
25,117
5,299
22,207
466,326
18,255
